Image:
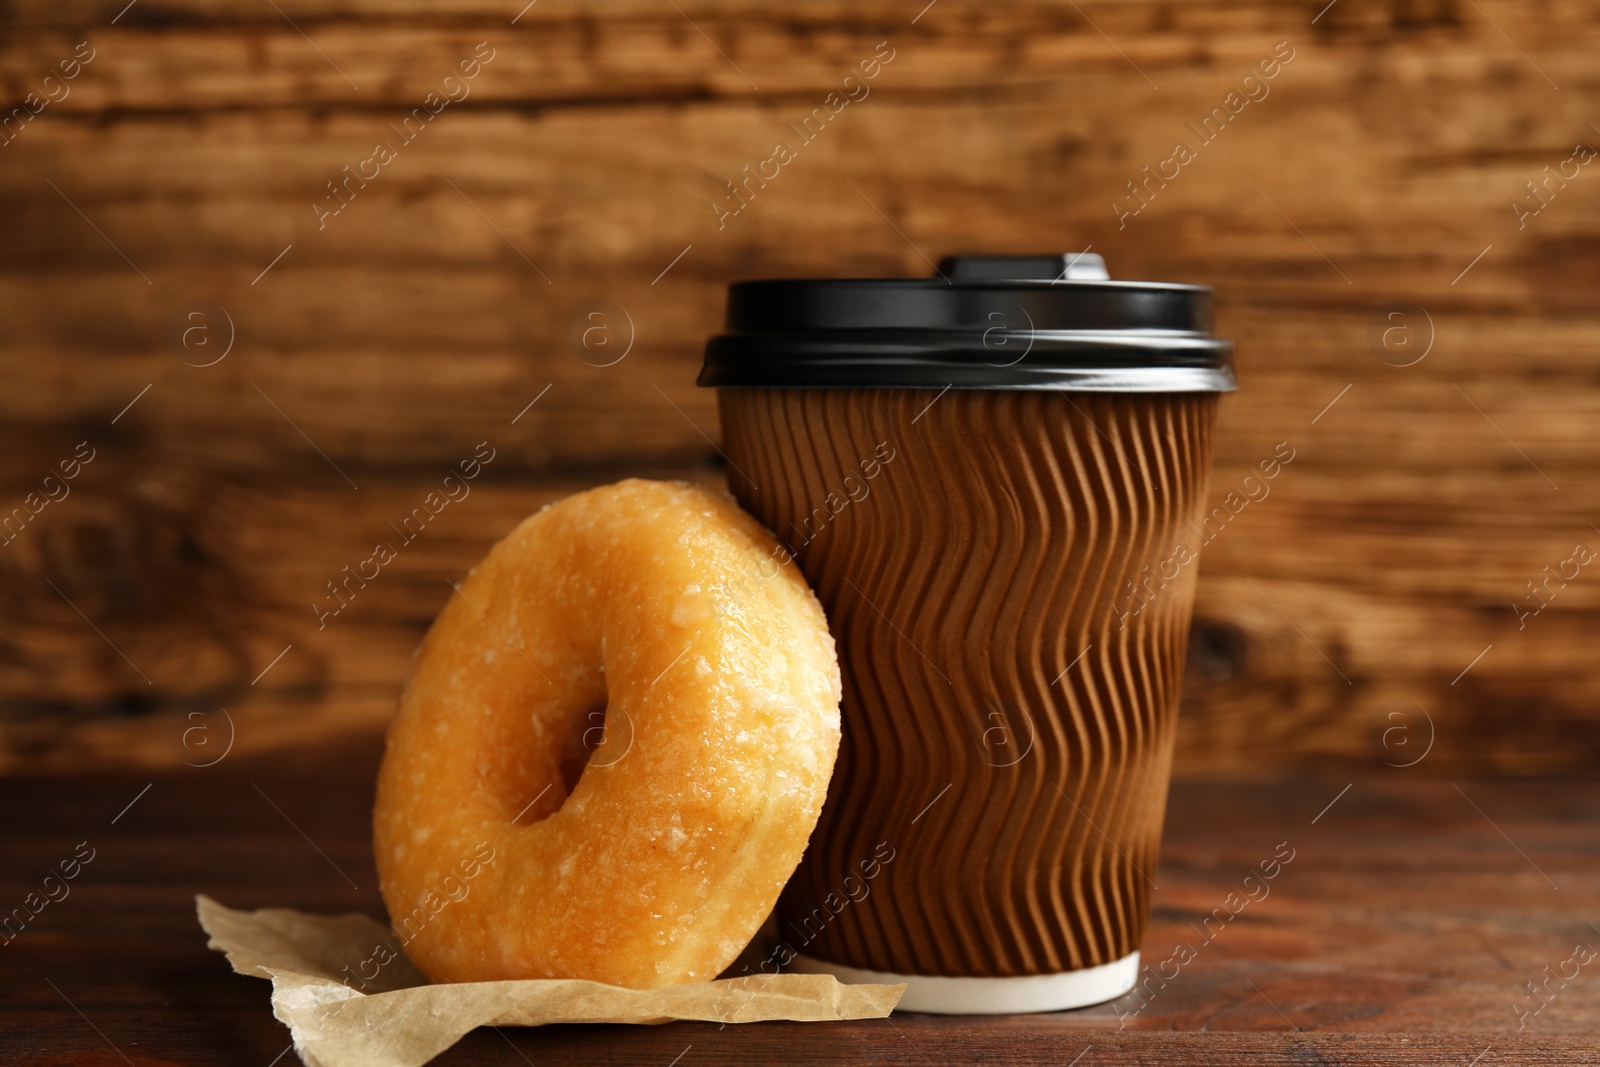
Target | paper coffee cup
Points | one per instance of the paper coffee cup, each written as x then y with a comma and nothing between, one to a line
992,480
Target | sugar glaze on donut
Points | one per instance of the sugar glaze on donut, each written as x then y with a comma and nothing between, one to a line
655,861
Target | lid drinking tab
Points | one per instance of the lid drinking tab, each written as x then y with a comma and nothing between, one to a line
1072,267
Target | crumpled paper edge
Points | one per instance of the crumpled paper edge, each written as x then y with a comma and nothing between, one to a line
410,1022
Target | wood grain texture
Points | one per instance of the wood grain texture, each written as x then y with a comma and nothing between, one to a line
588,154
1402,930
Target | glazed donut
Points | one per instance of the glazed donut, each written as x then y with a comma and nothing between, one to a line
509,846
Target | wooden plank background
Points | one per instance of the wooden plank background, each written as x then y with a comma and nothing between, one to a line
182,163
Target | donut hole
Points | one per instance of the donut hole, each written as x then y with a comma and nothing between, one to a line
585,736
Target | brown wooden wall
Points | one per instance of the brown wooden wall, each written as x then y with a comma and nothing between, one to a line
382,346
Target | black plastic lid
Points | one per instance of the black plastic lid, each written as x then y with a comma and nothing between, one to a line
983,322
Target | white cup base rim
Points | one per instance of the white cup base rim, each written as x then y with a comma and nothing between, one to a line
945,995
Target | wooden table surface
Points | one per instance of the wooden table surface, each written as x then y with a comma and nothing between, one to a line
1403,930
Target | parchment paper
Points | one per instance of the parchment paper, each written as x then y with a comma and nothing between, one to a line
405,1022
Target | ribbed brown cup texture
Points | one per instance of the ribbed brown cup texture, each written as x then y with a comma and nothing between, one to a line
1009,699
